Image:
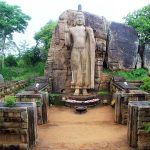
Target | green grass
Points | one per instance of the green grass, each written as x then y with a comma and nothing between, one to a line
146,84
23,73
136,74
102,92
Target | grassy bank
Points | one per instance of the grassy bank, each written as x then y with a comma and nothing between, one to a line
23,73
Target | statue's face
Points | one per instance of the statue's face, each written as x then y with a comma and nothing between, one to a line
80,20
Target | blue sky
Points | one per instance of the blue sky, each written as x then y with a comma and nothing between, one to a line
41,11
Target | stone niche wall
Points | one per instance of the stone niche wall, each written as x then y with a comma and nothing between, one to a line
139,117
11,87
116,48
42,98
18,126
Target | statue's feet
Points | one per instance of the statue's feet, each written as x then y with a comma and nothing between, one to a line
85,92
77,92
72,83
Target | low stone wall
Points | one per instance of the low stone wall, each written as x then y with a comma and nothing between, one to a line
18,126
136,83
44,84
41,99
139,116
121,103
11,87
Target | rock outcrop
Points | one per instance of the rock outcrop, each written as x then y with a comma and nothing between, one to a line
146,56
122,47
116,48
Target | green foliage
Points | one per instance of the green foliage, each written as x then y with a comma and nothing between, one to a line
146,84
9,101
43,37
38,103
10,61
32,56
23,73
147,127
136,74
12,19
102,92
9,72
140,20
55,99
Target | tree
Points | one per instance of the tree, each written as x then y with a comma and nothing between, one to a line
43,37
10,61
22,48
140,20
12,19
32,56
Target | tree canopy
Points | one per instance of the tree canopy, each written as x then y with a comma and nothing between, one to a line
12,19
43,37
140,20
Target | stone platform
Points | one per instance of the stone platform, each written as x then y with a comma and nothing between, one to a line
81,100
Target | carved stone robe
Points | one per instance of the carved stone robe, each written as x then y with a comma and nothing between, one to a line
82,59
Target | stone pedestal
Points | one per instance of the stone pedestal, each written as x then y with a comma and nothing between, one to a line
18,126
121,103
80,100
139,116
42,98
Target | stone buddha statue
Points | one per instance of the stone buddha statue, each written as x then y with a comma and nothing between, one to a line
80,40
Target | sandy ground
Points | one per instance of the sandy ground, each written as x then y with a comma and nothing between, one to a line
93,130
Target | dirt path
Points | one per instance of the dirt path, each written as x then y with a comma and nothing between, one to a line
94,130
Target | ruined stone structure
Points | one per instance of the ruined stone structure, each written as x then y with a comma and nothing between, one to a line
8,88
116,48
138,136
18,126
41,100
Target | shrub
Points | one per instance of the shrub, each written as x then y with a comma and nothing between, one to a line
55,99
8,73
38,103
10,61
146,84
136,74
9,101
147,127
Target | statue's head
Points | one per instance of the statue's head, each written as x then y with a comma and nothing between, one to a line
80,20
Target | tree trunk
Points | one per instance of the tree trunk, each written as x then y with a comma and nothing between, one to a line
3,49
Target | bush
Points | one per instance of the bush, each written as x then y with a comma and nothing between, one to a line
9,101
55,99
8,73
147,127
38,103
10,61
146,84
136,74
